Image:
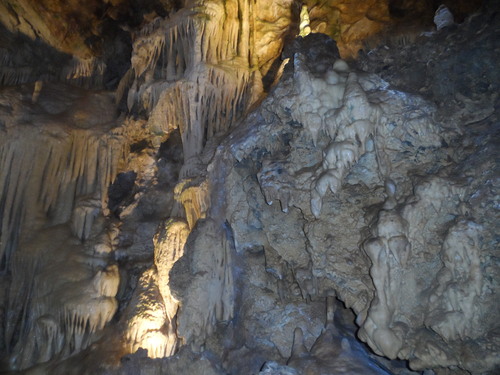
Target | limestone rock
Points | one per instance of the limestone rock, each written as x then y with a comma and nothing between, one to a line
242,203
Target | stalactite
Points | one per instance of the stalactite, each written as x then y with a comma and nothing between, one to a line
47,176
15,69
55,169
67,298
15,75
170,41
86,73
202,108
201,48
335,105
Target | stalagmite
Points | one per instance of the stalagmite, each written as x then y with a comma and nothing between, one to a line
147,324
331,353
389,250
36,91
169,247
151,320
210,295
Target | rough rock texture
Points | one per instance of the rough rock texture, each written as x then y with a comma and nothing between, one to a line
210,229
348,22
58,154
78,28
400,235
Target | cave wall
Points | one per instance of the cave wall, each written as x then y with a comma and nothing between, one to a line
249,201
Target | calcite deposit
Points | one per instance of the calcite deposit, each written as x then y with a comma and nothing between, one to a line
228,190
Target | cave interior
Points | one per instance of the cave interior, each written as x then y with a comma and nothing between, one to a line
250,187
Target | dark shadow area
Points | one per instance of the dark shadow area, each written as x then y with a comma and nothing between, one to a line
121,190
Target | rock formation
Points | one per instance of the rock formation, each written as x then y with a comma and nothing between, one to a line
238,194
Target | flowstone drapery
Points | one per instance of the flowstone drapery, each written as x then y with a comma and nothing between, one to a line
203,281
187,73
68,157
215,229
195,71
332,102
59,153
389,252
459,284
357,156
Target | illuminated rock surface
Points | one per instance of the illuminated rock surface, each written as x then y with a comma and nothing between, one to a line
244,202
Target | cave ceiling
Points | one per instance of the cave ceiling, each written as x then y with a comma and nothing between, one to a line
83,28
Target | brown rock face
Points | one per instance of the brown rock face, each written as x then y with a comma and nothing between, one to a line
349,22
77,27
82,28
69,26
